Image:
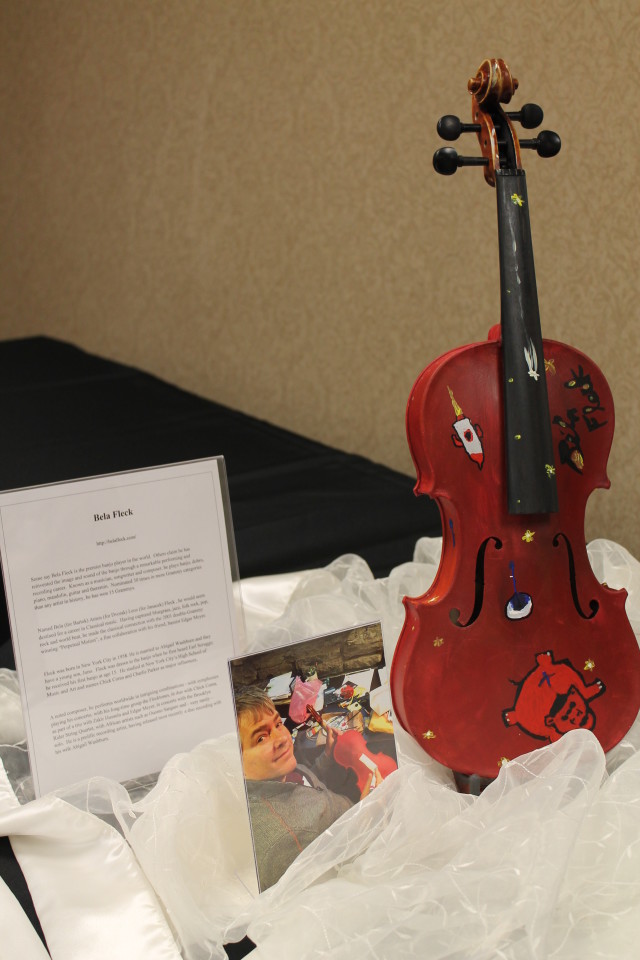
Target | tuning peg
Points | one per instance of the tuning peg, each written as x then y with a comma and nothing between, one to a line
446,161
546,144
450,127
529,116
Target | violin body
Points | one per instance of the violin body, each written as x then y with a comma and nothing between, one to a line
516,642
477,682
350,747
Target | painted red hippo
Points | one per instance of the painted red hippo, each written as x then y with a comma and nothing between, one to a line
553,699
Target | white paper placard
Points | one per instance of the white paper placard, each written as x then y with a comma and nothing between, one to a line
123,615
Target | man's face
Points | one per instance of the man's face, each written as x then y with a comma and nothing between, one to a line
267,747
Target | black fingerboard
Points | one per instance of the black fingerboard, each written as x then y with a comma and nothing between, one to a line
531,483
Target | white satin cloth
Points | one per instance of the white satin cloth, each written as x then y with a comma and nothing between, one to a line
544,864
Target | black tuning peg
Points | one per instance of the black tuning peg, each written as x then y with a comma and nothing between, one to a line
529,116
546,144
446,161
450,127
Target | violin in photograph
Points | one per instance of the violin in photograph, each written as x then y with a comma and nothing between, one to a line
516,642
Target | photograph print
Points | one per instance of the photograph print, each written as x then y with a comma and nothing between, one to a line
316,737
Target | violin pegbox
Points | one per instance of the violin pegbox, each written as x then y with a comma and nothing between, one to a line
491,87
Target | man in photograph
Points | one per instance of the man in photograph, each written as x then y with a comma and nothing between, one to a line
289,804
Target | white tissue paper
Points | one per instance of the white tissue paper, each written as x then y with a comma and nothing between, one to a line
545,863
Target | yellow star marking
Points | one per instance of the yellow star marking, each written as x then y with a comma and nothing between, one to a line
550,469
589,664
550,366
528,536
517,199
438,642
503,761
518,436
429,735
510,379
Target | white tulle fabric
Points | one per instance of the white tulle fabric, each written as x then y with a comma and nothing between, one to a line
544,864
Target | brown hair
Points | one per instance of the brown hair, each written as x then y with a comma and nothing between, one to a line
255,701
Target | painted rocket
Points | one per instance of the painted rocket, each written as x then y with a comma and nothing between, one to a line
466,434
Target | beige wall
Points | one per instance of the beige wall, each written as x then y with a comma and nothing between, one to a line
238,196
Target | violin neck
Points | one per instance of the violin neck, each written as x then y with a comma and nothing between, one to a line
313,713
531,483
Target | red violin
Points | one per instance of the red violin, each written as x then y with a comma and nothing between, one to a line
351,752
515,642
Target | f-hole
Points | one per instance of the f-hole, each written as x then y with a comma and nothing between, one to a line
594,606
454,614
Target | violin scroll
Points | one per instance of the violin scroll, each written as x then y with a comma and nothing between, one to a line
493,83
492,86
